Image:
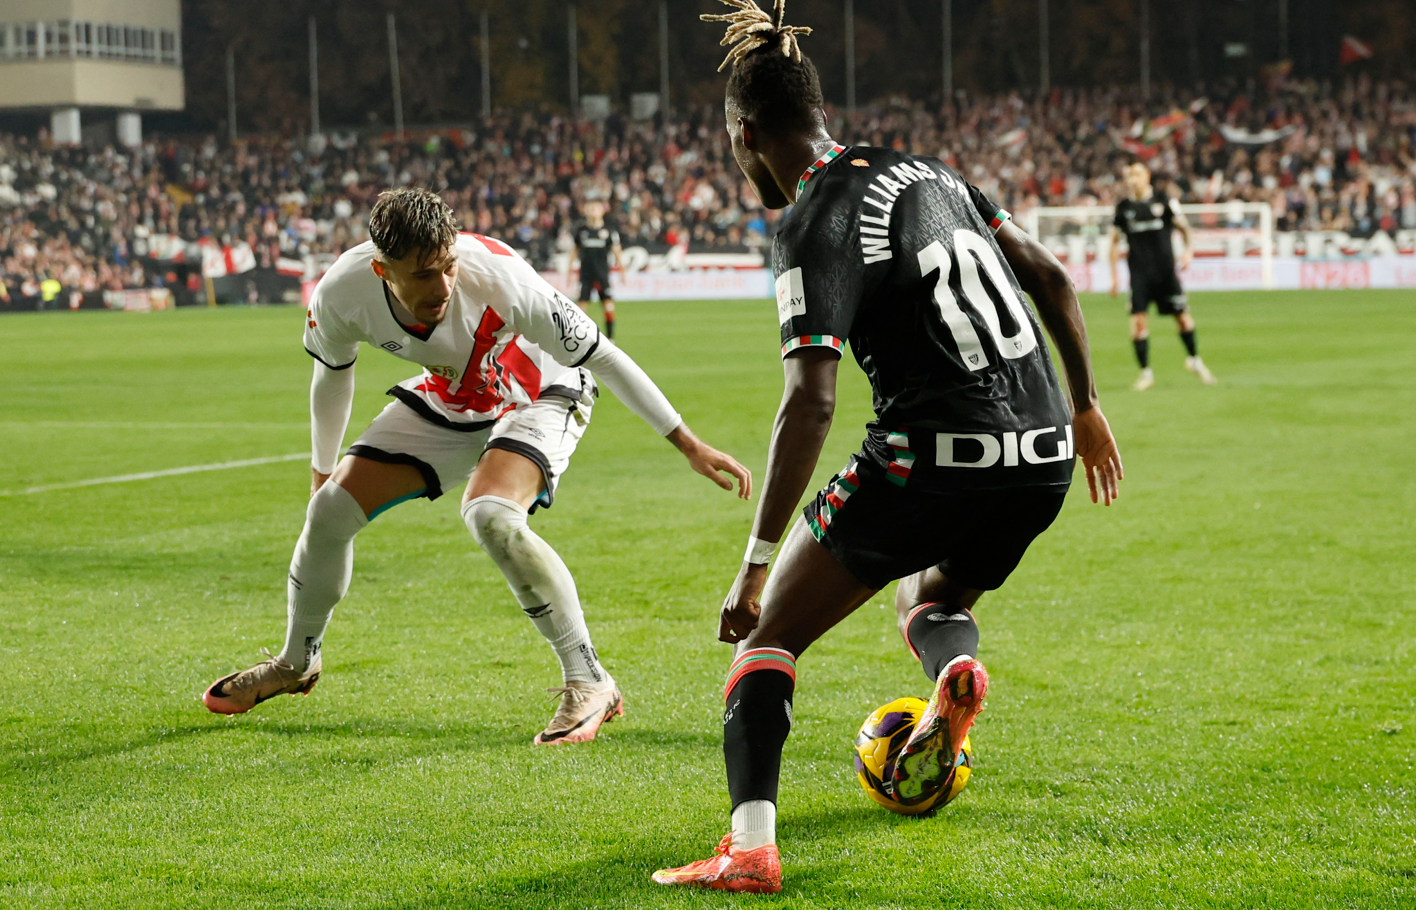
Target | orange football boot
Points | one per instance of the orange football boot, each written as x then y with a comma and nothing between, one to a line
927,759
753,871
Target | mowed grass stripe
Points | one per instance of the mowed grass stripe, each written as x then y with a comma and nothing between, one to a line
1202,697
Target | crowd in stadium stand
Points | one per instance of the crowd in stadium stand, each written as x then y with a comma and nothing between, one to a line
86,219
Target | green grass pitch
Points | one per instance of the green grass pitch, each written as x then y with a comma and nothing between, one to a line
1202,697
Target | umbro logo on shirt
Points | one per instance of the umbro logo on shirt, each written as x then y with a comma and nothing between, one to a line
947,617
392,347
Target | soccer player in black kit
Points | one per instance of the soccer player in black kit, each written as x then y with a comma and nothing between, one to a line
594,241
969,456
1148,218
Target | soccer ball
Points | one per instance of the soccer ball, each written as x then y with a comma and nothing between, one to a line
878,744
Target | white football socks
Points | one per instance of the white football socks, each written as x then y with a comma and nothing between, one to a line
754,824
540,582
320,571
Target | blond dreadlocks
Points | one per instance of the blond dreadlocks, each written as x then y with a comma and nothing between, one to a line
751,27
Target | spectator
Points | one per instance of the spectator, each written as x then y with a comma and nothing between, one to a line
91,220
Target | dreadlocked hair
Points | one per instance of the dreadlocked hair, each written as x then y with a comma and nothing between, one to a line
772,81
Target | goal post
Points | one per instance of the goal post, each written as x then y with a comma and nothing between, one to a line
1236,234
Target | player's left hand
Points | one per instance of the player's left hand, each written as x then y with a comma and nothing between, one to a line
712,463
1099,454
1186,257
742,606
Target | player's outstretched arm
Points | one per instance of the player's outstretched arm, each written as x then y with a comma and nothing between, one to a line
1047,282
803,420
632,386
331,402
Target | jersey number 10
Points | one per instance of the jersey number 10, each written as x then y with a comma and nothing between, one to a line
966,245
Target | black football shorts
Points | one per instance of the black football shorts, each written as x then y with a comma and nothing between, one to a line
1163,290
881,531
594,284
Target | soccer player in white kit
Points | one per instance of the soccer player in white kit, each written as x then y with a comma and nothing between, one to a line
507,388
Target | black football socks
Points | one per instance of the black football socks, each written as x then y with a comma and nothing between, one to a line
1189,340
937,634
756,721
609,321
1143,350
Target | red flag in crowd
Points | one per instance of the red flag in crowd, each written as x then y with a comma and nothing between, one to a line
1354,49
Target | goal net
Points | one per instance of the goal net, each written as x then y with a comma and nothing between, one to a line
1233,244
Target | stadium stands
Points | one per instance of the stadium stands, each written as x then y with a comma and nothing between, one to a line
1341,159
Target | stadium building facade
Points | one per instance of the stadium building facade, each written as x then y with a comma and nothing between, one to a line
91,59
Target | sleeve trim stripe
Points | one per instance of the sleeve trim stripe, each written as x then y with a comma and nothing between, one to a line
812,341
588,354
1000,219
328,364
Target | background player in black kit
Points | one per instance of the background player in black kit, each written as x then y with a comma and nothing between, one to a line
1148,218
594,241
967,461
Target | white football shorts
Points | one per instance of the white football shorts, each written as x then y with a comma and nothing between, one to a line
546,431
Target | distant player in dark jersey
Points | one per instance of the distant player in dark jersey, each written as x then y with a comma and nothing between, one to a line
594,242
968,458
1148,218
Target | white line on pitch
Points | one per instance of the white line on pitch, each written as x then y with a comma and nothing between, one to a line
149,475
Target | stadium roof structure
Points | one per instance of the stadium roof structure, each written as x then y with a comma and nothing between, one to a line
66,55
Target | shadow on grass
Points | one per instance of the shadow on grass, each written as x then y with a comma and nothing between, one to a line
18,760
662,738
68,746
620,877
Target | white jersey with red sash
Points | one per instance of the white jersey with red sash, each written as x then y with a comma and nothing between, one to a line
507,338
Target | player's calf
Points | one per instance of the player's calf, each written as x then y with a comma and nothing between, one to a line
540,581
756,722
936,634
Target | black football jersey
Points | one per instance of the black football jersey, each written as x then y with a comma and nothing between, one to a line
895,254
594,245
1148,225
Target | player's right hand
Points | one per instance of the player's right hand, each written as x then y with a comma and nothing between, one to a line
741,608
1115,290
1100,456
317,480
712,463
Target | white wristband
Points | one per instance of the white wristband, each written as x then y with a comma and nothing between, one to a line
759,552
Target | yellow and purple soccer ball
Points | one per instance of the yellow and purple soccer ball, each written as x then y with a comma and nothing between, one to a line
878,744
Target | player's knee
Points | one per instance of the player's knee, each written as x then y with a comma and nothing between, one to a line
333,513
493,521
